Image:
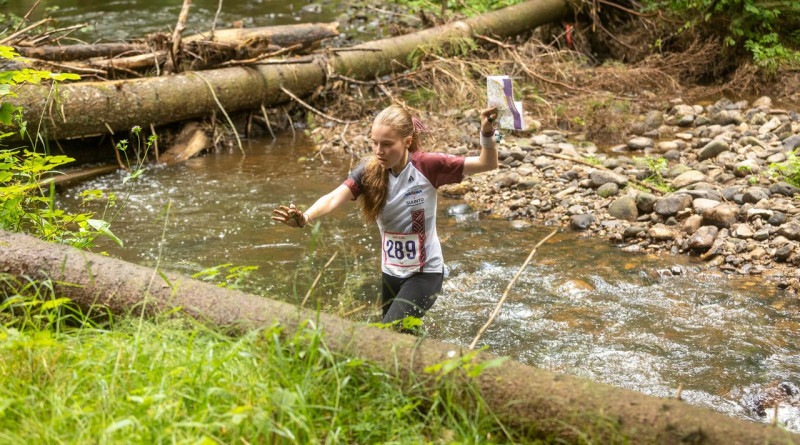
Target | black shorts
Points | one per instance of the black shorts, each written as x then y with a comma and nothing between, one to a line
410,296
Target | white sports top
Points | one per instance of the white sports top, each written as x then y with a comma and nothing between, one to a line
408,220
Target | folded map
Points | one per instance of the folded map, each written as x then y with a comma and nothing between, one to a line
500,94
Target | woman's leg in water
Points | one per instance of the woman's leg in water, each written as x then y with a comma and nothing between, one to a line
412,296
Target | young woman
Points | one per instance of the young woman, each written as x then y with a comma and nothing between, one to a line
397,187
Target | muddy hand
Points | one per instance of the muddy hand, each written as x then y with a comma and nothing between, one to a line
290,216
488,117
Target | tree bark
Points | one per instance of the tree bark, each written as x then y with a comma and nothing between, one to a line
92,107
534,400
60,53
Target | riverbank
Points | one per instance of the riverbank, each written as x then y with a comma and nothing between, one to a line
709,180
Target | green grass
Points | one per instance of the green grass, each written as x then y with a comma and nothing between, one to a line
64,379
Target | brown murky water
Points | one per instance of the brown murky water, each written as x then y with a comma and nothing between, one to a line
583,307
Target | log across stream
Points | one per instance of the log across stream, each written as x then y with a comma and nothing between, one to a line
651,324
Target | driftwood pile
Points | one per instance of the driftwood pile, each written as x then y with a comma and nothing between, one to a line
157,54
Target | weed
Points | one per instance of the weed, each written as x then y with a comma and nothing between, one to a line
226,275
655,169
466,7
788,170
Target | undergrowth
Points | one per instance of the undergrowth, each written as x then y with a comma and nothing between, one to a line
67,379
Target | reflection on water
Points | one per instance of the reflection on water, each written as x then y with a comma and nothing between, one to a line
582,307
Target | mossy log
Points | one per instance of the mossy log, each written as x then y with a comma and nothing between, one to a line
540,402
91,108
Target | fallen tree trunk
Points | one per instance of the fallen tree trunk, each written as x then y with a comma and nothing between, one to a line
94,107
538,401
60,53
280,35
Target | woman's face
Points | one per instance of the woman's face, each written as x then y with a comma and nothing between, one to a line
389,147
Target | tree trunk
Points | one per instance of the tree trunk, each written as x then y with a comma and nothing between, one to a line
60,53
531,399
91,108
280,35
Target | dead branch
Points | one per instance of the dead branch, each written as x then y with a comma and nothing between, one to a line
262,57
508,289
319,275
300,101
24,30
176,37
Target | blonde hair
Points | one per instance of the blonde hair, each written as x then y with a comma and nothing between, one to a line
376,178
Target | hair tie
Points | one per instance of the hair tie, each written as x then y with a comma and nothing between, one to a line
419,127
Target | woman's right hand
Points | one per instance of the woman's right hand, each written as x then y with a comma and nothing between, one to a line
290,216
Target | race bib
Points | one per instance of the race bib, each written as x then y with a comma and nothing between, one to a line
401,251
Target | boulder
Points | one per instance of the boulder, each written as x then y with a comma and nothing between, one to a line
688,178
784,188
581,222
712,149
645,202
723,215
753,195
742,231
700,205
703,238
600,177
640,143
691,224
790,230
791,142
660,232
624,208
607,190
672,204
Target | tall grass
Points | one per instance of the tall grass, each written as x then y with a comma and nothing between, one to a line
67,379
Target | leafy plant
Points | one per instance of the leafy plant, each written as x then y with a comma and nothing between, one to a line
226,275
27,198
767,29
655,167
466,7
788,170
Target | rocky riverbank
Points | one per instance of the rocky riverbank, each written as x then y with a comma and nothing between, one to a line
713,181
716,181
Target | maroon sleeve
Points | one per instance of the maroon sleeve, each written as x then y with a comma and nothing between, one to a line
439,168
353,181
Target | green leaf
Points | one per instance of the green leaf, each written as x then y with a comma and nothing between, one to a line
7,113
102,227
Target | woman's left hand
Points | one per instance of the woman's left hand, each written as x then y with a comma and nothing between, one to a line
488,116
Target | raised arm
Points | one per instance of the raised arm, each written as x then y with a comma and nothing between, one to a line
293,217
487,160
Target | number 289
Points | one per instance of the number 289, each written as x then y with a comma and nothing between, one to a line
400,250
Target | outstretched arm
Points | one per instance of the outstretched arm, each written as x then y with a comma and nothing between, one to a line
293,217
488,157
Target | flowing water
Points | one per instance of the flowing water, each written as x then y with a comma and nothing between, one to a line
643,322
583,307
113,20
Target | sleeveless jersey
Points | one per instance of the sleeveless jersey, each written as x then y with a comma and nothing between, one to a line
407,222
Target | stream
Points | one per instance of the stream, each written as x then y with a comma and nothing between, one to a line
582,307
